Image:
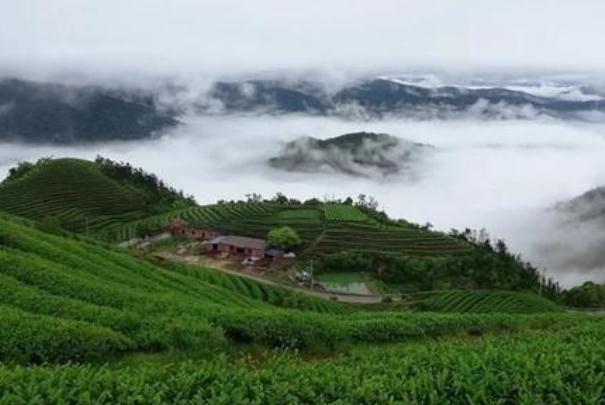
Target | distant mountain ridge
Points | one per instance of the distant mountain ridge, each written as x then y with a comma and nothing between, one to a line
380,97
39,112
56,113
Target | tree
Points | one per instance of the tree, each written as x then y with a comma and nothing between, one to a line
284,237
280,198
254,197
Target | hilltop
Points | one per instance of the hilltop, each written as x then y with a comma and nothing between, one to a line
81,195
356,154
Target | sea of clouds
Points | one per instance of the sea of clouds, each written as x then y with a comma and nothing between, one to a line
505,176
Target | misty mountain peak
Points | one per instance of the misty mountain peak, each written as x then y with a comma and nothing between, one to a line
363,154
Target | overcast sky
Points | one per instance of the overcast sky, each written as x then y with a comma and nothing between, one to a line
184,36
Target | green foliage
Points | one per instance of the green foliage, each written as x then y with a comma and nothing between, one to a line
31,338
159,195
87,286
483,301
482,267
346,262
588,295
138,306
66,299
19,171
284,237
343,212
560,366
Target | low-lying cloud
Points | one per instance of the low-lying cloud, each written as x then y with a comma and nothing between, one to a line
503,176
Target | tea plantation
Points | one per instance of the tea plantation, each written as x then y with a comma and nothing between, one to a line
84,321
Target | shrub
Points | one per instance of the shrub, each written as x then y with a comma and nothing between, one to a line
284,237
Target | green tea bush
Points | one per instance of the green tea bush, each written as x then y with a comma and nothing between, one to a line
30,338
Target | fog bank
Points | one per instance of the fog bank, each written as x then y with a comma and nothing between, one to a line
503,176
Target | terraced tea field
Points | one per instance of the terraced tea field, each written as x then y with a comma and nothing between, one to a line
77,195
369,237
72,192
480,301
212,216
346,213
54,288
322,235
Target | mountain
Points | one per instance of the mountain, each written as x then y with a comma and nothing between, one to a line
589,206
356,154
271,96
375,98
56,113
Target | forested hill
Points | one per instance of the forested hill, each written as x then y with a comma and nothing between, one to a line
56,113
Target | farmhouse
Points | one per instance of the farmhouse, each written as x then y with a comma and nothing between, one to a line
251,247
180,228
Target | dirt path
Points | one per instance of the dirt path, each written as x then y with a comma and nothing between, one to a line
342,297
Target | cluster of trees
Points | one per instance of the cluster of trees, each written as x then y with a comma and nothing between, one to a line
160,196
278,198
284,237
588,295
487,265
24,168
363,201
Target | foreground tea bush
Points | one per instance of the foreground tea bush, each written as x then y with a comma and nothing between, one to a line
30,338
532,367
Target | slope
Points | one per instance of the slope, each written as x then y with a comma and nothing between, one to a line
482,301
74,194
68,298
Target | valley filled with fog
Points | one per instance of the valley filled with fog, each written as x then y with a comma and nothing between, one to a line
505,176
